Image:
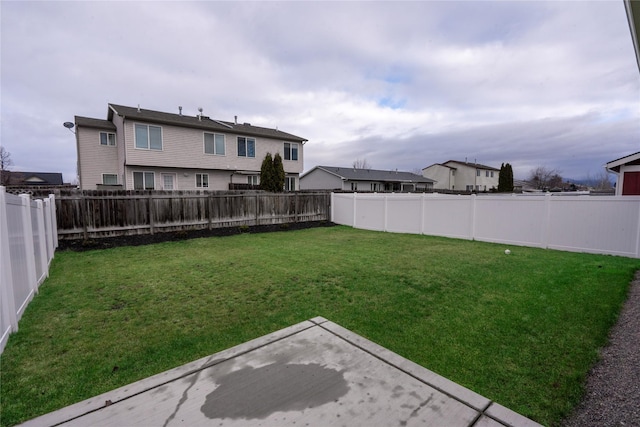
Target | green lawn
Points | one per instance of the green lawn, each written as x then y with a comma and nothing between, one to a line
522,329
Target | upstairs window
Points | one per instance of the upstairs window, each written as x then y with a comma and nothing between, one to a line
486,174
214,144
477,172
290,151
107,138
148,137
246,147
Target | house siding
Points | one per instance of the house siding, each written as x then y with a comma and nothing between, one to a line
184,148
96,159
466,175
443,175
319,179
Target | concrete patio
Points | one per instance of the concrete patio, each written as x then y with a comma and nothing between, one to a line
314,373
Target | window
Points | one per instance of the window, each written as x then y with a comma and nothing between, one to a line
374,186
214,143
290,151
491,174
486,174
253,179
246,147
354,186
109,179
107,138
143,181
148,137
477,172
290,183
168,180
202,180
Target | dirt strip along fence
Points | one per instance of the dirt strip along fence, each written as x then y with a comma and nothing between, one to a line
95,214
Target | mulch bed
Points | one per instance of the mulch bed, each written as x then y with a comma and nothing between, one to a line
146,239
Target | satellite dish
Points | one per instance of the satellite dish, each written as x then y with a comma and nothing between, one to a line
68,125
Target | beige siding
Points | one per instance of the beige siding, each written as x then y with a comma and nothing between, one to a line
444,176
185,179
121,144
184,148
95,159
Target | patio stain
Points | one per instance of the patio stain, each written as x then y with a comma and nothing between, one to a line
251,393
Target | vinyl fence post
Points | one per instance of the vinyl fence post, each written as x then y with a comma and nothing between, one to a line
27,236
473,217
42,247
546,224
355,206
8,315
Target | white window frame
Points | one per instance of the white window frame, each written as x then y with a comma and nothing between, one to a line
253,179
202,183
246,147
109,174
147,145
110,139
145,175
289,149
215,147
289,183
175,181
354,186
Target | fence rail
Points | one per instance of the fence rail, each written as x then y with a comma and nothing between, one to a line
115,213
596,224
28,240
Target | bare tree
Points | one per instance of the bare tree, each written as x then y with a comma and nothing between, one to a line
361,164
544,178
600,181
5,163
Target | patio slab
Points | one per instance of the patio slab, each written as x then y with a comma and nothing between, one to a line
314,373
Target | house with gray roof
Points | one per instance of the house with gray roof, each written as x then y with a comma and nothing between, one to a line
462,176
139,149
350,179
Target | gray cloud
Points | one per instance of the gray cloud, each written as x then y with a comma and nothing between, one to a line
403,84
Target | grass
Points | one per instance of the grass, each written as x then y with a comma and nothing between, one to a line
521,329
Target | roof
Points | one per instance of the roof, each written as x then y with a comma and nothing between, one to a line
37,178
439,164
94,123
352,174
631,159
472,165
199,122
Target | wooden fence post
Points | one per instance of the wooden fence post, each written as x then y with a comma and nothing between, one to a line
84,215
210,209
151,211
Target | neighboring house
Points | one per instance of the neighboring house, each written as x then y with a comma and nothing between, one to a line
462,176
350,179
627,170
33,179
138,149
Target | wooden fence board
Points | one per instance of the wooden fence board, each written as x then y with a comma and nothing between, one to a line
91,214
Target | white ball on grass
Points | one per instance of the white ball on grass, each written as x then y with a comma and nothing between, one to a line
507,251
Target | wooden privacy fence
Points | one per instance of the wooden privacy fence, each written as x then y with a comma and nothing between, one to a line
27,243
91,214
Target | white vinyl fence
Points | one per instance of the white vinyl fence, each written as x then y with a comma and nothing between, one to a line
28,239
594,224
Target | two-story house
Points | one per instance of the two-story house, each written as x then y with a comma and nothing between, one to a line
138,149
462,176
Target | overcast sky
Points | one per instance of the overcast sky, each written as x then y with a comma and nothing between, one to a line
402,85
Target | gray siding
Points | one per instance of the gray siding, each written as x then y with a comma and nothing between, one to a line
319,179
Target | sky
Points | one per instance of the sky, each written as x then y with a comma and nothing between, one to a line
403,85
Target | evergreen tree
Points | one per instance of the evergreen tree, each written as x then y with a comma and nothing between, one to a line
267,175
278,174
502,176
509,180
505,179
